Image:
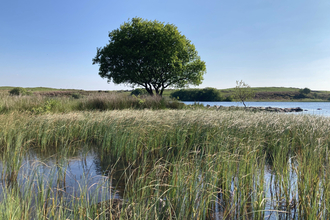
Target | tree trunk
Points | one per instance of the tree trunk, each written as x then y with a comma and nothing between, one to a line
161,92
149,90
157,91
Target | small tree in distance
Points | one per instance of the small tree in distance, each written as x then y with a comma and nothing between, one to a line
305,91
243,92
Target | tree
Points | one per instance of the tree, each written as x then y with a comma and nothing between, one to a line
150,54
305,91
243,92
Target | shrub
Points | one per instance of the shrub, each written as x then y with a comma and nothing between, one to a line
305,91
175,105
139,91
300,96
229,99
47,107
77,95
207,94
19,91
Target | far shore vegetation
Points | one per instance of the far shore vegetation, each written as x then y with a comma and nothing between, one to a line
261,94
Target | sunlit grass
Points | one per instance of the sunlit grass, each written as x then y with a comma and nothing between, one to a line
180,164
41,104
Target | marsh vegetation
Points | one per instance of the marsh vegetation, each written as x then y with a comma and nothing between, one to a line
162,164
68,101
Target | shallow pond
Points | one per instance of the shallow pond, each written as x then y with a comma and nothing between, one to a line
101,176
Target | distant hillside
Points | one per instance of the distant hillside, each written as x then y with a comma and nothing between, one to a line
45,91
32,89
267,94
289,94
261,93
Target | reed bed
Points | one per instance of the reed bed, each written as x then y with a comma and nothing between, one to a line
41,104
179,164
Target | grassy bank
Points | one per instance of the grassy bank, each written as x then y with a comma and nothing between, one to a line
187,164
64,102
266,94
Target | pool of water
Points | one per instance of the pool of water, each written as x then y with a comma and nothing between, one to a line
93,172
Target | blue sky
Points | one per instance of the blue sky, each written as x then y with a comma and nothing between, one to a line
262,42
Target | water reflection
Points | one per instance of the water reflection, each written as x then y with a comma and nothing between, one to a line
113,168
102,176
66,175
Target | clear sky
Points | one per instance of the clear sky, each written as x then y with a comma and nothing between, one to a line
262,42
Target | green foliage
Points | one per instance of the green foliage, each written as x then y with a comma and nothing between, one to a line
300,96
46,108
207,94
305,91
19,91
229,99
139,91
243,92
150,54
76,95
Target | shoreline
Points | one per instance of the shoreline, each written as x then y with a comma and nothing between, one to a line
251,108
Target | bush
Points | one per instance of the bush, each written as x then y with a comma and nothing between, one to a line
229,99
207,94
305,91
19,91
47,107
139,91
175,105
77,95
300,96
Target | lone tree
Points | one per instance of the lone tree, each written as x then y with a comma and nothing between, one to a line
150,54
243,92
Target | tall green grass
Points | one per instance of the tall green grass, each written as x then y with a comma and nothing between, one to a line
39,104
179,164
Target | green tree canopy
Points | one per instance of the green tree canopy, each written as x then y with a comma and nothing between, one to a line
305,91
150,54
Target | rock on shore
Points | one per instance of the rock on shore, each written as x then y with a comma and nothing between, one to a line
269,109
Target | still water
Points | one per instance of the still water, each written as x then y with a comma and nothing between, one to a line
92,171
314,108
